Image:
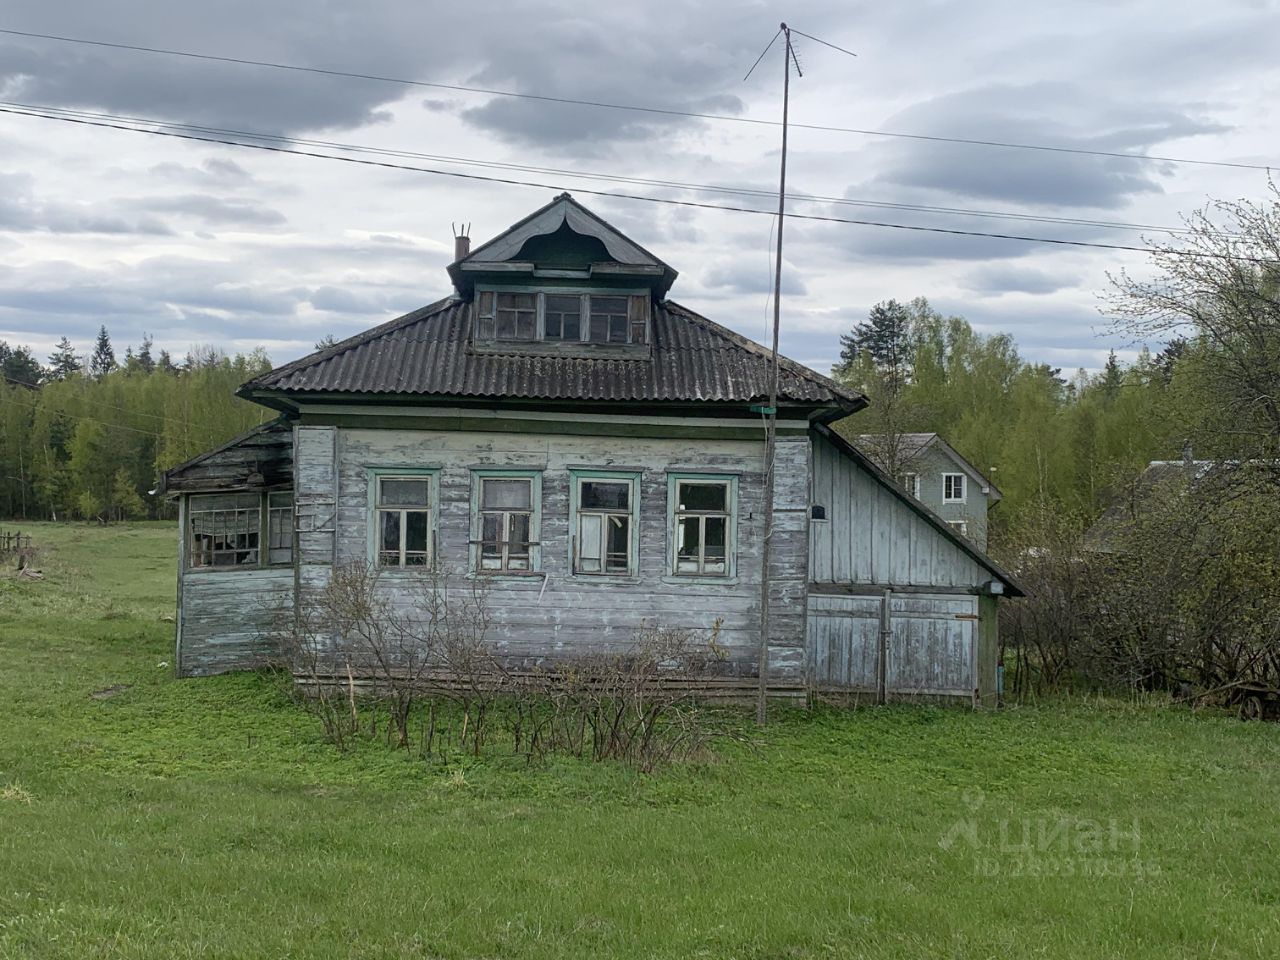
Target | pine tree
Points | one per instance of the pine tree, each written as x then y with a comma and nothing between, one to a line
145,360
19,367
886,336
1111,377
63,362
103,360
165,364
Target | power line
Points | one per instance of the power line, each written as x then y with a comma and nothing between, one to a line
631,196
1003,144
110,406
82,416
616,178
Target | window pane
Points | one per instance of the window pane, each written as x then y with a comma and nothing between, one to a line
608,319
416,527
687,537
506,494
618,552
403,493
518,532
703,496
563,316
714,550
589,542
516,316
605,495
389,541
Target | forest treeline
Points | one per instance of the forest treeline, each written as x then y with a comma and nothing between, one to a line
88,436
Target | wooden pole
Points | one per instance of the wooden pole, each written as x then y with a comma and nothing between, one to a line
882,648
771,411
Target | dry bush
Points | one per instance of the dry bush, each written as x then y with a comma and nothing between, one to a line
420,650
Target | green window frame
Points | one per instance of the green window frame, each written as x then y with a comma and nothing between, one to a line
228,531
702,530
506,524
604,532
404,511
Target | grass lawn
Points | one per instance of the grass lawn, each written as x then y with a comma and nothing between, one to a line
183,818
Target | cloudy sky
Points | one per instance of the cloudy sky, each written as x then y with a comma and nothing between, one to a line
203,243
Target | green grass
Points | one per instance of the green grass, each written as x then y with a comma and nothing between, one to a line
183,818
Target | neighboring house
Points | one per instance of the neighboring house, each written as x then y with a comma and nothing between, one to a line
595,450
933,472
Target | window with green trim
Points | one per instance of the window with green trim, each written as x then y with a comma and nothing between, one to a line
702,523
505,513
403,521
605,508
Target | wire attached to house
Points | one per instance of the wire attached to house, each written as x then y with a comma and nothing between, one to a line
271,148
637,108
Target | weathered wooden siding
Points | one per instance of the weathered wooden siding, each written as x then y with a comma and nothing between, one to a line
930,651
573,615
872,537
261,458
228,617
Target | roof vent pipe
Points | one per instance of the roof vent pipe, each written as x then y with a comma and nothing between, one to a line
461,242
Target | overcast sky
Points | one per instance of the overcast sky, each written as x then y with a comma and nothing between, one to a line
201,243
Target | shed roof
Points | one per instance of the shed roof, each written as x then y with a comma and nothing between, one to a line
429,353
1012,587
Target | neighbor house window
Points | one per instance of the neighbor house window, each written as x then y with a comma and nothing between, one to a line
953,488
566,316
402,519
605,514
703,525
911,484
227,530
959,526
505,521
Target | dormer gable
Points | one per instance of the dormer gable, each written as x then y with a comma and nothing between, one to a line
562,281
563,240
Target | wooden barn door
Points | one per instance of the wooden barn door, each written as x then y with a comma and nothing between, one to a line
930,646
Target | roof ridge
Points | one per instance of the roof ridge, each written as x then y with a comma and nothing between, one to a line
793,366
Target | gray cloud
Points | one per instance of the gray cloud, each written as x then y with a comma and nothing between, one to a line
22,211
220,211
752,276
997,279
1056,114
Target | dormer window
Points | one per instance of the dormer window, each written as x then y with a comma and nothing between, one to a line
562,316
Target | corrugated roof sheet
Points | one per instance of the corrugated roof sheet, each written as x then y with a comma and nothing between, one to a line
427,352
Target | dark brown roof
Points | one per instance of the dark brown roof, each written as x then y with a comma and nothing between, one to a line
256,459
428,353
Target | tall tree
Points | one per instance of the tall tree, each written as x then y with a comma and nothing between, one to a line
885,336
18,366
64,362
103,359
146,362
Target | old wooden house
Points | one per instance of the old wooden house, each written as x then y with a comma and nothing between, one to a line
559,426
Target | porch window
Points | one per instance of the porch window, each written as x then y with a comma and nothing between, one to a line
911,484
280,527
703,513
507,508
605,511
224,530
403,521
953,488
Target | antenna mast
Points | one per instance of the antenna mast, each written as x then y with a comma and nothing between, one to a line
771,409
